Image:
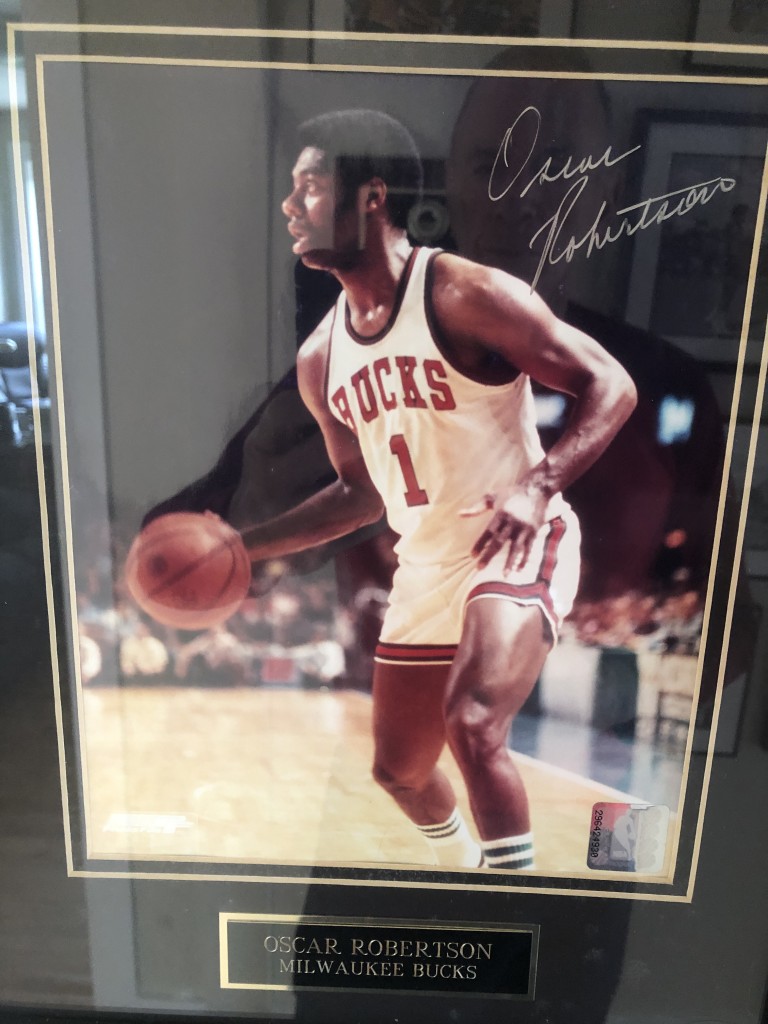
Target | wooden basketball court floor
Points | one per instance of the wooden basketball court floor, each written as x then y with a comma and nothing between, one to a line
277,776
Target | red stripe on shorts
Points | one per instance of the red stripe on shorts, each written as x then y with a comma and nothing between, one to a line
427,653
551,544
537,591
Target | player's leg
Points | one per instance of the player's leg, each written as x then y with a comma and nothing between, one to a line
502,650
409,736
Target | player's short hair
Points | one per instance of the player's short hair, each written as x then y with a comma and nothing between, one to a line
365,144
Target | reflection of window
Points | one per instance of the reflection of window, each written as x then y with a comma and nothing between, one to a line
35,258
675,419
10,272
12,302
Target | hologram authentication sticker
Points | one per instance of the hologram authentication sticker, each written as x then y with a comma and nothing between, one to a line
628,837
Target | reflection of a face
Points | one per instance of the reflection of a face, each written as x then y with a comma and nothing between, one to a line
324,227
573,123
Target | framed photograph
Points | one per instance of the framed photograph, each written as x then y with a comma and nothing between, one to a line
548,19
391,566
697,261
739,24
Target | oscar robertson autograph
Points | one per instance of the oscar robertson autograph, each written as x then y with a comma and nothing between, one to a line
606,227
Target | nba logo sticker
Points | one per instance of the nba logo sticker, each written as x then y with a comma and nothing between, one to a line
628,837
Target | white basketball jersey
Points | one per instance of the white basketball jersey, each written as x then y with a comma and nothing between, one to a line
434,441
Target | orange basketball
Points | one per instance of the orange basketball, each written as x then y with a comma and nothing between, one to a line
188,570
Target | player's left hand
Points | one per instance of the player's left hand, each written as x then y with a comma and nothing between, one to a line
515,522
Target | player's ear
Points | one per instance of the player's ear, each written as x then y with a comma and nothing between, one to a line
375,195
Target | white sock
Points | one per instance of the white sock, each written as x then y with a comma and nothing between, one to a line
511,853
452,842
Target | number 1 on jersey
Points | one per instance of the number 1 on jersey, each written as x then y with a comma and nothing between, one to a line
414,495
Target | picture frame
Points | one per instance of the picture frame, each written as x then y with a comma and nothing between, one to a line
548,19
659,262
180,874
734,23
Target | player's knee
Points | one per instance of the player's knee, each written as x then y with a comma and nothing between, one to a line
397,778
473,728
382,775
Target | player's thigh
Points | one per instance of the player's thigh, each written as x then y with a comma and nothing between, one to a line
502,650
408,727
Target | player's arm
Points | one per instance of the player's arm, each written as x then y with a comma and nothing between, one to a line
350,502
487,309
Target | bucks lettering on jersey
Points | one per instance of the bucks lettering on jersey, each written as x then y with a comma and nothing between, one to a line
433,440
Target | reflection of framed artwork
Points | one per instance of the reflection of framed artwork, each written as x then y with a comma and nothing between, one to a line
546,18
688,281
756,537
225,843
740,22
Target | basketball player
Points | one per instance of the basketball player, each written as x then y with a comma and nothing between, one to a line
419,378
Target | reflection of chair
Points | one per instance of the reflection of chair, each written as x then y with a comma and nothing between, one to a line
16,400
21,570
673,716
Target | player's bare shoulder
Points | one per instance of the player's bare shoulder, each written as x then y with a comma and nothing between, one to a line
457,280
470,297
312,363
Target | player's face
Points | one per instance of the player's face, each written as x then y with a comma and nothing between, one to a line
325,229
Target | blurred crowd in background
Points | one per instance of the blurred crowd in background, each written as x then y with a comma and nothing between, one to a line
299,630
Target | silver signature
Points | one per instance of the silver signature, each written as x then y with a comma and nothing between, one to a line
558,244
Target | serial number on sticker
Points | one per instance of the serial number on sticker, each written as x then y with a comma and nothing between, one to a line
628,837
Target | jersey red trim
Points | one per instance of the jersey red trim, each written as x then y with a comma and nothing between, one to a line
402,285
327,374
439,342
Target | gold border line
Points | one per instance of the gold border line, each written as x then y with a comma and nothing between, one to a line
41,59
62,421
734,577
417,924
223,950
41,484
587,874
375,69
716,542
359,990
394,37
384,883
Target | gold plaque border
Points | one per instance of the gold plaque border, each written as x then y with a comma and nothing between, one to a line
350,922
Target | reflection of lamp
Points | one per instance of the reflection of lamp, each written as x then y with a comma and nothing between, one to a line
675,419
428,221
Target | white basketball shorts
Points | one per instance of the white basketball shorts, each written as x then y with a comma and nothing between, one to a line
424,620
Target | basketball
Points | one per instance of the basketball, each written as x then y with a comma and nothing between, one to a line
188,570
